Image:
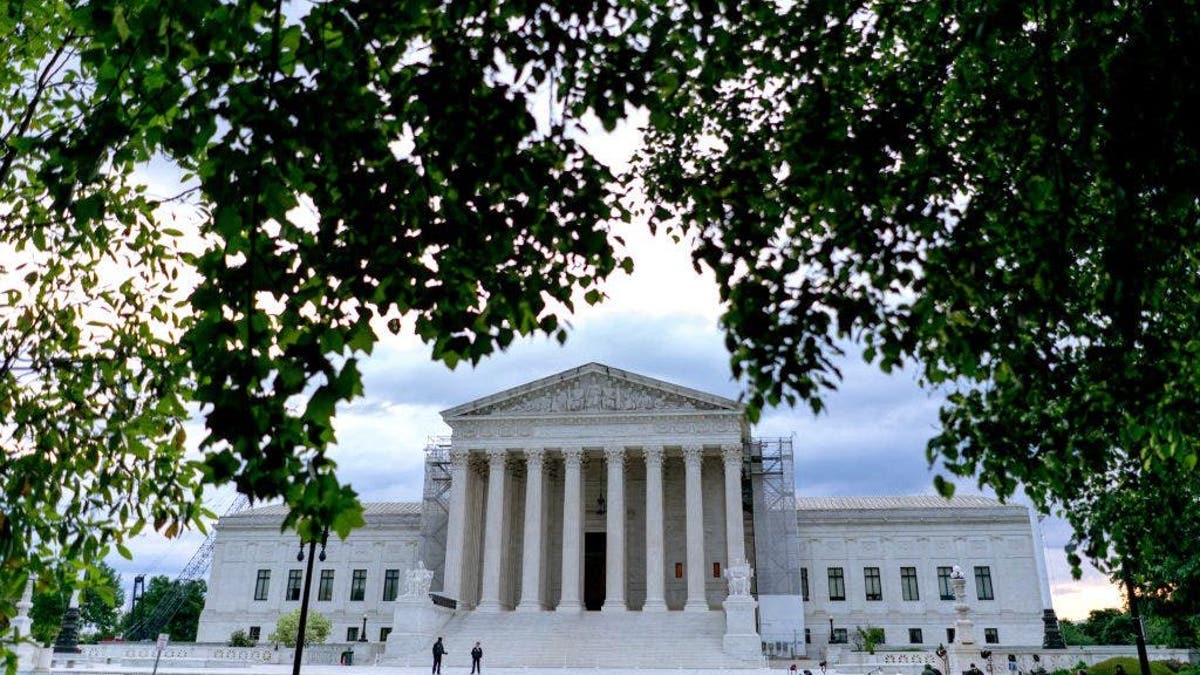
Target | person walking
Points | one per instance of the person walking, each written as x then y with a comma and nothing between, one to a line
438,651
476,654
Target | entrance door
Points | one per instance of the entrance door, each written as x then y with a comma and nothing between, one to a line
594,544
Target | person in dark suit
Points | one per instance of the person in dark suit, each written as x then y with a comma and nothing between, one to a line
438,651
476,654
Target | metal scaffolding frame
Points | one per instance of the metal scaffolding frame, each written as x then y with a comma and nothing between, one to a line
776,536
776,542
435,507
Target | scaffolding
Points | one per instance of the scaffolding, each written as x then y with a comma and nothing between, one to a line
156,619
435,507
776,543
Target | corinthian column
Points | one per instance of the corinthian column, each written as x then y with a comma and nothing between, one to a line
572,525
493,536
696,601
654,530
456,525
614,573
735,544
531,559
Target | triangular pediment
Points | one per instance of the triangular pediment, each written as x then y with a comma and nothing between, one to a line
592,388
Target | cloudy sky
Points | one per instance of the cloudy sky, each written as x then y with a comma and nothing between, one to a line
660,322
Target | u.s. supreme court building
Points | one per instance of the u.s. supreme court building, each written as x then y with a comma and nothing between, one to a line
598,502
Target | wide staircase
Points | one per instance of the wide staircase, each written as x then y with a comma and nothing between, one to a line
584,640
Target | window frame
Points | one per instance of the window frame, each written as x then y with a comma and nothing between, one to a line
837,577
804,584
918,634
291,592
255,633
872,584
839,636
945,585
262,585
910,586
358,585
991,636
325,586
984,588
391,584
352,634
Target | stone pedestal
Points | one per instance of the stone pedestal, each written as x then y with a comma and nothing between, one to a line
415,622
964,650
741,632
741,635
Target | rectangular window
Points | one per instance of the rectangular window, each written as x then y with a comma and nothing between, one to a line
358,585
945,590
874,585
262,584
678,570
837,584
293,585
983,583
384,632
882,636
914,636
325,589
908,583
808,636
839,637
949,635
391,584
255,632
991,636
351,634
804,583
716,570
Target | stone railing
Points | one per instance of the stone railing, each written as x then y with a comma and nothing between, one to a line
213,655
1024,660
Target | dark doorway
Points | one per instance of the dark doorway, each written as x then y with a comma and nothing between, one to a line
594,544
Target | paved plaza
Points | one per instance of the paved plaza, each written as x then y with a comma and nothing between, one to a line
273,669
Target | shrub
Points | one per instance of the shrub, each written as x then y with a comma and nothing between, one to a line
239,639
1109,667
315,631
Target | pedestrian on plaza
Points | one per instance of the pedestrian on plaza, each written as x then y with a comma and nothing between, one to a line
929,670
974,671
438,651
476,654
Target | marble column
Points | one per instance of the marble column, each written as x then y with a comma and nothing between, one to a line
654,530
614,555
735,543
572,554
493,535
456,526
531,558
696,600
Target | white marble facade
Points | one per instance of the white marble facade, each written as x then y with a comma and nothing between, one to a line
565,484
540,470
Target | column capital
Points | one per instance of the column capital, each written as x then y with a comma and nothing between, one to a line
535,456
732,453
497,457
653,454
459,456
615,454
572,454
692,452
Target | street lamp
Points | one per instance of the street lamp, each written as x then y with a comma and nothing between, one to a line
312,547
362,636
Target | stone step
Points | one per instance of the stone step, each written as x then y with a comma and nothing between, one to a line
585,639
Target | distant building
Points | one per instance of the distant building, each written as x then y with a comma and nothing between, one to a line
528,565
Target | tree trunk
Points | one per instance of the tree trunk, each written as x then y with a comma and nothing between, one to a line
1136,614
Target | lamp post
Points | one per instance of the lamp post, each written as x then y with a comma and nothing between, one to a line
312,547
362,636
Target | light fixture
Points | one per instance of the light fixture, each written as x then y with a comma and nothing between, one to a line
601,507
